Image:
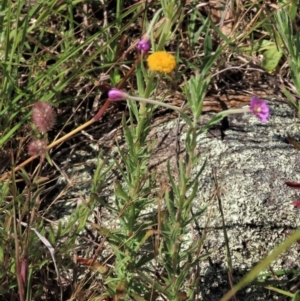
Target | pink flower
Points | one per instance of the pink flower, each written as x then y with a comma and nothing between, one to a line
116,94
259,108
43,116
144,44
37,147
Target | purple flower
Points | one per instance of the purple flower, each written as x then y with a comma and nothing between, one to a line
116,94
144,44
259,108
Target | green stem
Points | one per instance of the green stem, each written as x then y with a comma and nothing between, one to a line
165,32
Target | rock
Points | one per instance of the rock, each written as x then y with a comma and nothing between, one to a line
250,162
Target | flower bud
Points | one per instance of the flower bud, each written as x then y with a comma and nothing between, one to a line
116,94
144,44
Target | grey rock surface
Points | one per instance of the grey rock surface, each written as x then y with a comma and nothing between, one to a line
250,162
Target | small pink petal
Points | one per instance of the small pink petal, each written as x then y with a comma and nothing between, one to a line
296,203
291,184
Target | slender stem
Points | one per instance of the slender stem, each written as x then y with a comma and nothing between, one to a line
72,133
80,128
102,110
21,287
54,143
156,103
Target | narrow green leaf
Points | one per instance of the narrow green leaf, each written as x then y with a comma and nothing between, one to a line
296,296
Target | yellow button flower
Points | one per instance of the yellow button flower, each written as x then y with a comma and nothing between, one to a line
161,61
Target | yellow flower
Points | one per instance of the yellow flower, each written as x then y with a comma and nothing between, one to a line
161,61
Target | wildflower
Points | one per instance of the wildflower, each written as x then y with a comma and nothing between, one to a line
116,94
43,116
144,44
259,108
37,147
161,61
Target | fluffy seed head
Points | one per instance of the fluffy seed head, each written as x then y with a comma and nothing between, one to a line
37,147
43,116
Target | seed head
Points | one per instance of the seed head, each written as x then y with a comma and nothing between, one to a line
43,116
37,147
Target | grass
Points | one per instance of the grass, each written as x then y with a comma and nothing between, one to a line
137,244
